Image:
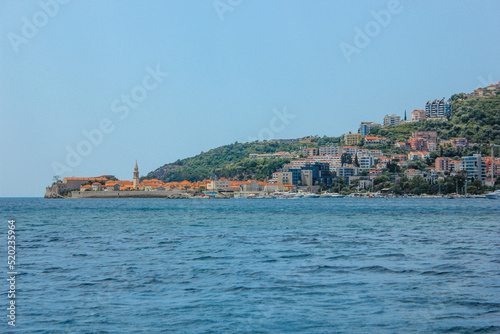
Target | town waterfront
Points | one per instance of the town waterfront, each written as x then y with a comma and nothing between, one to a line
306,265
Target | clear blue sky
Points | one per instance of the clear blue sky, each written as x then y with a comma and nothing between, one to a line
64,70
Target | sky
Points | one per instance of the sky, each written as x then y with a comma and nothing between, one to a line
89,87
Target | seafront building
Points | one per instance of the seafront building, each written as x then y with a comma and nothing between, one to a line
474,167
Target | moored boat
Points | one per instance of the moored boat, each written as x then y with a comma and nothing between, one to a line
494,195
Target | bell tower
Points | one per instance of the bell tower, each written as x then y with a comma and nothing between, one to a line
136,176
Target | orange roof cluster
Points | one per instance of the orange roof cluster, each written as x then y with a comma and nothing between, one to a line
86,178
374,138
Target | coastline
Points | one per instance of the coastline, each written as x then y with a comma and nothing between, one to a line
186,195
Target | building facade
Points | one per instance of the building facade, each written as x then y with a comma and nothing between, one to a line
442,164
352,138
375,140
366,127
430,136
418,143
330,150
437,108
310,151
418,115
390,120
474,166
459,142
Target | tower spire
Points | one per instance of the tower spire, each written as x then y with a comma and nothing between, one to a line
136,176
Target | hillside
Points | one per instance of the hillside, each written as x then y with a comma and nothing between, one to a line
476,119
231,161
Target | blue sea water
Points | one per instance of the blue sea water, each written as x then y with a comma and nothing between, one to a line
254,266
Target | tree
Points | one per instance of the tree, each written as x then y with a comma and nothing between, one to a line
393,167
419,185
356,161
381,179
345,158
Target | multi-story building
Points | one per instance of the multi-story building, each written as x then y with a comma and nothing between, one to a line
492,165
365,162
352,138
309,174
437,108
484,92
283,177
392,120
418,143
310,151
402,145
455,165
399,157
330,150
351,150
418,115
432,147
442,164
363,152
250,185
366,127
375,153
430,136
375,141
474,166
418,155
347,171
459,142
222,184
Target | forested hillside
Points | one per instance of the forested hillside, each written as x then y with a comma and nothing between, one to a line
476,119
231,161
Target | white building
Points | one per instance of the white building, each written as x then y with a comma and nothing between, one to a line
392,120
222,184
475,167
330,150
365,162
347,171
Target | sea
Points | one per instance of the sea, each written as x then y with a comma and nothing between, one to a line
252,265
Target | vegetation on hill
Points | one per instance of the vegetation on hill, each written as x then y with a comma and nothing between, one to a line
231,161
476,119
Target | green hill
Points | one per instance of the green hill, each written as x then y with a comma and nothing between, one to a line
476,119
231,161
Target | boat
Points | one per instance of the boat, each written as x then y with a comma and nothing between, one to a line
494,195
311,195
331,195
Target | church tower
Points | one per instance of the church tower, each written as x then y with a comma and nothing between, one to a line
136,175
